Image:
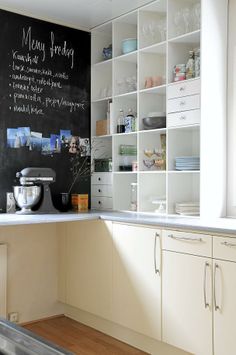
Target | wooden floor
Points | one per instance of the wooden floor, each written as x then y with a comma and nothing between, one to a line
79,338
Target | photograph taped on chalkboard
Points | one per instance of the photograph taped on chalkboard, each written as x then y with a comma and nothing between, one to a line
35,141
46,146
11,137
24,134
55,143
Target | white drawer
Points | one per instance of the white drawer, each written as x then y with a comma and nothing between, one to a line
101,203
183,118
183,104
224,248
101,190
189,243
101,178
184,88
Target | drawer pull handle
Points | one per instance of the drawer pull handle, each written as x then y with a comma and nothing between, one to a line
217,307
182,118
182,103
182,88
207,305
157,270
186,239
227,244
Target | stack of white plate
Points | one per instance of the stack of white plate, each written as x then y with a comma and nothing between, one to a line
187,163
188,208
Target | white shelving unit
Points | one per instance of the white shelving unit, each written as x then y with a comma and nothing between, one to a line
166,30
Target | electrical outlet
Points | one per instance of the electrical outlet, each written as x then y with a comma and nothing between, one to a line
13,317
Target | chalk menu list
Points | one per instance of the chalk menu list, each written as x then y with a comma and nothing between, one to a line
44,99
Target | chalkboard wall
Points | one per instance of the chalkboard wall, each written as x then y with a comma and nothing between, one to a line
44,100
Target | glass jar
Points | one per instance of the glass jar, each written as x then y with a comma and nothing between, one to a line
133,197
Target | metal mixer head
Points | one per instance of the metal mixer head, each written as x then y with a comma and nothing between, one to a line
30,176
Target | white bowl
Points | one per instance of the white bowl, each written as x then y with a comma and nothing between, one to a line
156,114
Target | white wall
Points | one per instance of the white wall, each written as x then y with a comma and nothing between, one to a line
32,270
231,195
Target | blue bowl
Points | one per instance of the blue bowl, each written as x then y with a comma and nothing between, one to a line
129,45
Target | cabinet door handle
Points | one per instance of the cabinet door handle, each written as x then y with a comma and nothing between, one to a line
186,239
157,270
227,244
206,304
217,307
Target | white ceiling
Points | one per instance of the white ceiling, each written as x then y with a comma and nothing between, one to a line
84,14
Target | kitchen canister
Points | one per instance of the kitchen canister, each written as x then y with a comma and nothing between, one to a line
129,45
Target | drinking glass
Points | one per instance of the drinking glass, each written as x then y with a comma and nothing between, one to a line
162,29
145,30
152,30
177,22
186,14
196,11
120,83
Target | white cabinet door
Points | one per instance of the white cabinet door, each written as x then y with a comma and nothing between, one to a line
225,308
136,279
187,320
89,267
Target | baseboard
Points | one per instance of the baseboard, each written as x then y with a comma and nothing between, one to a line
144,343
41,320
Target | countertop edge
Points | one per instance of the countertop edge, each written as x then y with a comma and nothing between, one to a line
225,226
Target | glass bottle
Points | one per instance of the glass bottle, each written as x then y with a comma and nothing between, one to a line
108,115
133,199
129,121
121,122
197,63
190,66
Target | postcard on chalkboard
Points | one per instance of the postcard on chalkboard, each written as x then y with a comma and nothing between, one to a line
74,145
35,141
84,147
65,137
55,143
24,135
46,146
12,138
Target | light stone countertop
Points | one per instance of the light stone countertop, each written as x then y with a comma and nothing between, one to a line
225,226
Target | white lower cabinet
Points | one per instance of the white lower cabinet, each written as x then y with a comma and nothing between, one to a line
224,284
187,302
224,308
136,279
89,267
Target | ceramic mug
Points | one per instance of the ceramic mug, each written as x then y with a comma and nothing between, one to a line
157,80
148,82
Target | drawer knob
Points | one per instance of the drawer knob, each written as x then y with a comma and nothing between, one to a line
99,179
182,103
182,118
99,190
182,88
99,202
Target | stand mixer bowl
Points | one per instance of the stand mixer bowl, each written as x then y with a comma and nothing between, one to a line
27,197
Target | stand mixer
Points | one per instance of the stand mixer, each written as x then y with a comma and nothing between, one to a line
35,190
